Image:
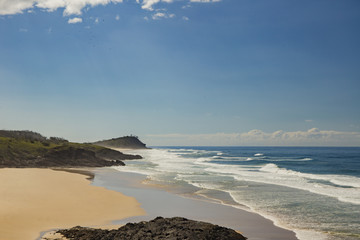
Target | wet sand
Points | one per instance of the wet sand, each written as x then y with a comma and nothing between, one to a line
37,200
158,202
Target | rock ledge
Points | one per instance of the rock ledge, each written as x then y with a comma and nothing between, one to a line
159,228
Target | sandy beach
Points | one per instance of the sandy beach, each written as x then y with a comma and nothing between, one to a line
37,200
157,201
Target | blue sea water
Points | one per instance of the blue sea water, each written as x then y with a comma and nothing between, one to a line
314,191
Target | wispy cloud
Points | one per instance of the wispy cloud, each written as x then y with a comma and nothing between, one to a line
75,20
205,1
76,7
311,137
185,18
148,4
73,7
160,15
186,6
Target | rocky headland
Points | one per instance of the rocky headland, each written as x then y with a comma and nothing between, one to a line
159,228
127,142
31,149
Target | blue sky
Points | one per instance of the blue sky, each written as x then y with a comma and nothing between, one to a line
181,72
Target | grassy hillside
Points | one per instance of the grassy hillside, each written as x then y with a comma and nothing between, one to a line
25,150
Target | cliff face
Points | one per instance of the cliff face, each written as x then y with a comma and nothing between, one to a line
128,142
29,149
159,228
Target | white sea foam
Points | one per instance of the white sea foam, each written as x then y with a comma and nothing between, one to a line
344,188
195,167
294,179
272,174
301,234
307,234
342,180
282,159
288,159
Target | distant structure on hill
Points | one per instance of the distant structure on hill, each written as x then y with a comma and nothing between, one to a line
128,142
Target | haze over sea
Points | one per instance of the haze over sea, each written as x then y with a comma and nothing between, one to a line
314,191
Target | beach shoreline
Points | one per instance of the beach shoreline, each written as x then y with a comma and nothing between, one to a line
292,187
163,201
34,201
37,199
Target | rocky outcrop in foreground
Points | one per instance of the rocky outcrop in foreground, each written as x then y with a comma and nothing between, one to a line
159,228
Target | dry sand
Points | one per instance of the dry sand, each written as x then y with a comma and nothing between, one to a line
36,200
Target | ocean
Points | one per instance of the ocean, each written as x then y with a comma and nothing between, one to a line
313,191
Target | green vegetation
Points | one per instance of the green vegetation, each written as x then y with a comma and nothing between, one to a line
29,149
131,142
10,147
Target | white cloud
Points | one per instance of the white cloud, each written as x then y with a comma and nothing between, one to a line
185,18
309,120
23,30
205,1
148,4
160,15
311,137
8,7
71,7
75,20
96,20
117,17
75,7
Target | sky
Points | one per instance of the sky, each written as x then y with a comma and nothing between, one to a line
183,72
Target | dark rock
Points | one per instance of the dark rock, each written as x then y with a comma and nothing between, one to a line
65,156
131,142
109,154
159,228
